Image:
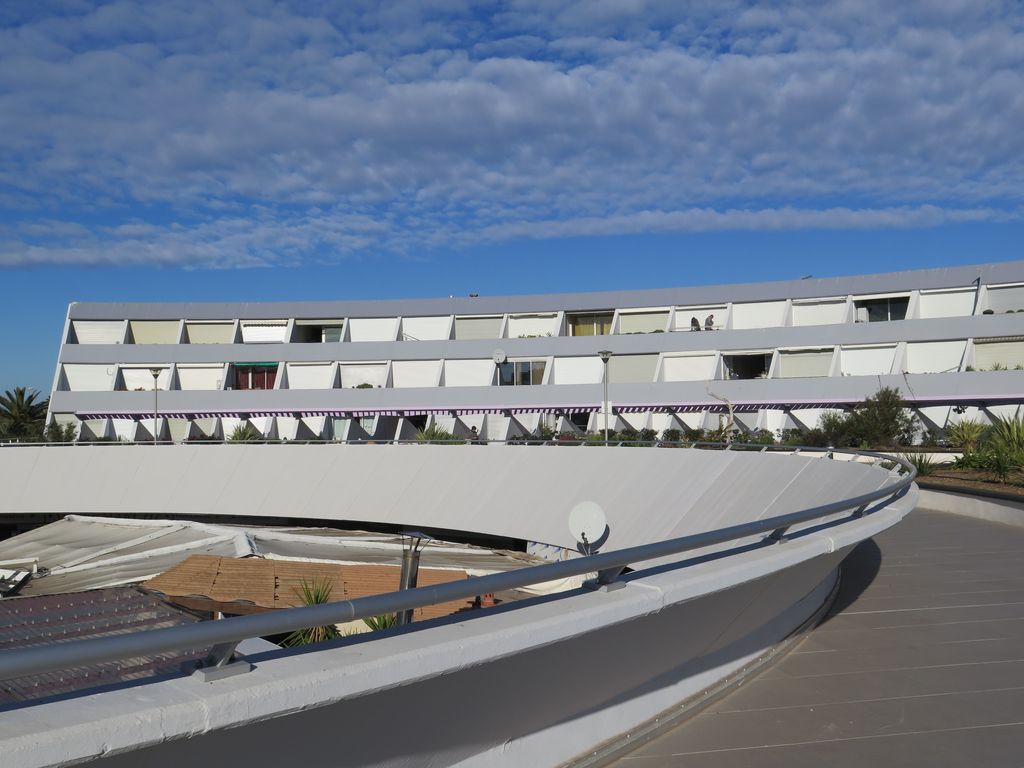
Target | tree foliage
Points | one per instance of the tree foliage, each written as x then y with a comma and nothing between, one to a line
881,421
22,414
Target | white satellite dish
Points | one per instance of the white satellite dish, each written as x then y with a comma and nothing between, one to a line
499,356
587,524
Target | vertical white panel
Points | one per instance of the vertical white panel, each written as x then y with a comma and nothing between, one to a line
867,361
804,363
468,373
354,374
758,314
98,331
477,327
199,332
959,303
934,356
688,368
310,375
153,331
522,326
629,369
90,378
263,331
372,328
200,377
426,328
826,312
139,378
415,373
578,370
642,322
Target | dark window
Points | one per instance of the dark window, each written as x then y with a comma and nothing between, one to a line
746,366
520,373
882,310
255,376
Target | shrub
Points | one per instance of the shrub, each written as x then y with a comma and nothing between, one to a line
672,436
966,435
245,432
761,437
924,463
880,421
435,433
1007,435
316,592
377,623
648,435
55,433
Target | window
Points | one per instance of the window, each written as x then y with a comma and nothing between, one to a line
255,375
520,373
747,366
590,324
881,310
318,331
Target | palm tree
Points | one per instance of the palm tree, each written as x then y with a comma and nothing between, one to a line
21,414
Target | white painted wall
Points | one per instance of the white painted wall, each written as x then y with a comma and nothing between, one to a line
83,377
758,314
934,356
154,331
468,373
823,312
801,363
867,360
577,370
958,303
415,373
688,367
209,333
310,375
427,328
372,328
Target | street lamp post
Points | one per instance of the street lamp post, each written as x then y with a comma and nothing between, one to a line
605,356
155,373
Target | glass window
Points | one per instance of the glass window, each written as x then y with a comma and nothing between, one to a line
590,324
255,376
882,310
522,373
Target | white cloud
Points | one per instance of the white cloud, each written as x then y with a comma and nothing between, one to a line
269,134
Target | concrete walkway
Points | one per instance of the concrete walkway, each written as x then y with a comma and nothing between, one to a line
920,664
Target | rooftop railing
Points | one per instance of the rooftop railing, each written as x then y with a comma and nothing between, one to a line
223,636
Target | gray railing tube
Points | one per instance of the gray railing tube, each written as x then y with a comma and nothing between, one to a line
30,661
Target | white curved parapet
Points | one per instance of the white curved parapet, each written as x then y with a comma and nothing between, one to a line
536,684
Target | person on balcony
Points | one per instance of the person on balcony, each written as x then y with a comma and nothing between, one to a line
694,324
709,323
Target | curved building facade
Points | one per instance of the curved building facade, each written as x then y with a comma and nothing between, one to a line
779,354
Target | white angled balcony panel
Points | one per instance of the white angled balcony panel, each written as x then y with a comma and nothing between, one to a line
153,331
523,326
200,377
1002,299
415,373
263,331
98,331
355,374
209,333
688,368
804,363
477,327
90,378
643,322
631,369
827,312
310,375
1008,354
758,314
468,373
372,328
426,328
959,303
577,370
934,356
867,361
136,378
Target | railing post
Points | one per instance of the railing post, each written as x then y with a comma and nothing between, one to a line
219,663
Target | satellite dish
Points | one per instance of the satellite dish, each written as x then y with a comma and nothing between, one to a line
499,356
588,525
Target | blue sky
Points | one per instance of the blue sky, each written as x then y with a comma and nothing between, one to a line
274,150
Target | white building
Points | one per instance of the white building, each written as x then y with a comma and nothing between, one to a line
952,341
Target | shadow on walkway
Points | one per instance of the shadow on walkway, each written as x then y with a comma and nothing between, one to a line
858,571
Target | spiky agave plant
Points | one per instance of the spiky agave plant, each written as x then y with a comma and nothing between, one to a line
435,433
966,434
316,592
386,621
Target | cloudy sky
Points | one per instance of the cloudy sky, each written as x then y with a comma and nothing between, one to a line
265,150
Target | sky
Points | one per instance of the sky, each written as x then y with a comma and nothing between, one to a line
301,150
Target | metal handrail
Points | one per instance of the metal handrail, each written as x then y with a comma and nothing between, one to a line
224,635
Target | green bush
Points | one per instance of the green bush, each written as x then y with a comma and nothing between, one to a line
377,623
672,435
924,463
966,435
435,434
880,421
245,432
316,592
